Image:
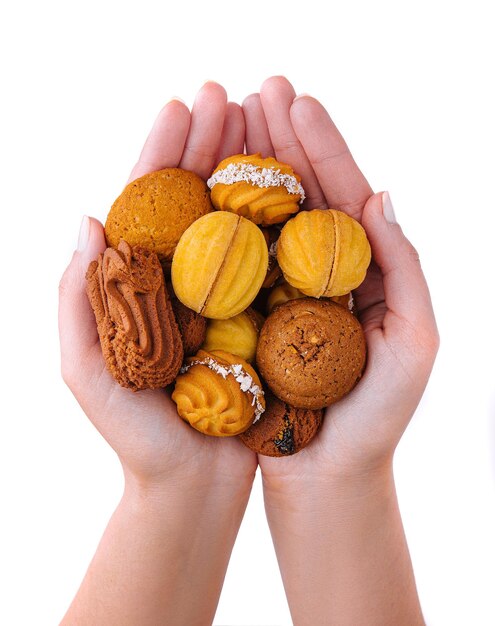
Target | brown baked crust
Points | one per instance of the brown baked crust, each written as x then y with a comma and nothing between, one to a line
139,336
273,271
311,352
153,211
192,325
282,430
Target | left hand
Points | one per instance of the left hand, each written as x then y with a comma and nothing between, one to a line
359,433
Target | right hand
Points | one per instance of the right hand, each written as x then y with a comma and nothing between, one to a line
152,442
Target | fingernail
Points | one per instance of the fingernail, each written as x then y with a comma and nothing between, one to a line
388,209
82,242
301,95
176,98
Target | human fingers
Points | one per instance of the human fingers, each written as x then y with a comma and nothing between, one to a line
233,132
344,186
277,96
207,120
257,135
77,328
407,298
165,143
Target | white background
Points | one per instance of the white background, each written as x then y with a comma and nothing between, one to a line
410,85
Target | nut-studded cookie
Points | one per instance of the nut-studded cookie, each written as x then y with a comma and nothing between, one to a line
311,352
139,336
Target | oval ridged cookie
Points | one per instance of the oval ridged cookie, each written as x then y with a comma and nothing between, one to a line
323,253
219,265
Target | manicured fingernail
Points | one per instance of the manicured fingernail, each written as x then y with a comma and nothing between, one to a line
82,242
388,209
301,95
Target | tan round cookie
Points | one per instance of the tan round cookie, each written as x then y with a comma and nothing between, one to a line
311,352
153,211
282,430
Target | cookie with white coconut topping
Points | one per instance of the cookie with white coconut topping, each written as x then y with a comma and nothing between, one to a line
218,393
264,191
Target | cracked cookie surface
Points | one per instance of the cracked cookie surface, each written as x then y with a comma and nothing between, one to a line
153,211
282,430
311,352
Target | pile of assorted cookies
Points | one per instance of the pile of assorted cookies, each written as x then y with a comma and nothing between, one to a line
235,297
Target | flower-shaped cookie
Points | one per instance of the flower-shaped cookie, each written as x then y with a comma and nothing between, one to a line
218,393
263,190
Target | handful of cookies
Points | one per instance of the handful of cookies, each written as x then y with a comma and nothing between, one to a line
236,297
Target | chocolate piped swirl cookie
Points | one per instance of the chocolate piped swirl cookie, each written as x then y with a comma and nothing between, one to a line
140,339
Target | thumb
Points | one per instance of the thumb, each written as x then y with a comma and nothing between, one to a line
77,326
406,293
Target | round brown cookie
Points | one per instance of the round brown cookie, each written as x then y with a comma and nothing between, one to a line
282,430
153,211
192,325
311,352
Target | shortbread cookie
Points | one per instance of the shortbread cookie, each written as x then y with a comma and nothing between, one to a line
218,393
153,211
263,190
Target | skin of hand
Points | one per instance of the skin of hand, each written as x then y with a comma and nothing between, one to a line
185,491
339,490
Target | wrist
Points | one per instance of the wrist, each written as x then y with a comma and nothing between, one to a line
328,487
211,492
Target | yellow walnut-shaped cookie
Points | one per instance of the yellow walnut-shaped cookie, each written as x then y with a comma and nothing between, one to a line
237,335
218,393
219,265
323,253
282,293
263,190
285,292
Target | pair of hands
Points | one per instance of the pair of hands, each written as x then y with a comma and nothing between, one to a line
359,433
